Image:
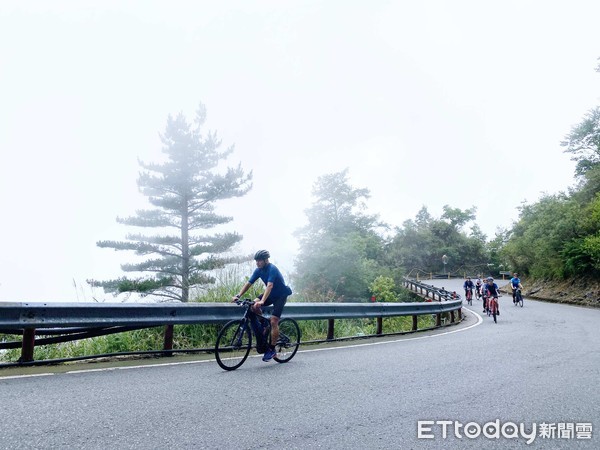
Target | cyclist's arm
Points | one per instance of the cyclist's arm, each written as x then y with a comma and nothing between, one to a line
242,291
266,294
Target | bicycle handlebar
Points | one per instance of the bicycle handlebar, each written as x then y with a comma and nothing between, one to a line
244,302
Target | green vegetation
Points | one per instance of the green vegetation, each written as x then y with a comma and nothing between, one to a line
558,237
341,252
188,337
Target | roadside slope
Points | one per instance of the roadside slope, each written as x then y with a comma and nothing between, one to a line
575,291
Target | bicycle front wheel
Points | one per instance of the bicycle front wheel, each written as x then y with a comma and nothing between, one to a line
233,344
289,340
520,300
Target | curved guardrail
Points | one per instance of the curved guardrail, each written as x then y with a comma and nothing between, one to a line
72,321
429,291
19,316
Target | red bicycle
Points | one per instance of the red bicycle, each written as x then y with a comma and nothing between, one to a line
469,295
492,308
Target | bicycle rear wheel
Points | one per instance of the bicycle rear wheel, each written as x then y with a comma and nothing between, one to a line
233,345
289,340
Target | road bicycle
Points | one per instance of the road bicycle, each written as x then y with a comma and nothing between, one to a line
518,300
492,308
234,341
469,295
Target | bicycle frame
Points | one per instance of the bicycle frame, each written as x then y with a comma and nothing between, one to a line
234,341
246,319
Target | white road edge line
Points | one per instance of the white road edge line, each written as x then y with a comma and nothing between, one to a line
367,344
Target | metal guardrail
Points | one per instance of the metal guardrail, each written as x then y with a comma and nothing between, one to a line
431,292
19,316
72,321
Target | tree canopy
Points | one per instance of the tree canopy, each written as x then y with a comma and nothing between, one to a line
340,250
583,142
421,243
559,236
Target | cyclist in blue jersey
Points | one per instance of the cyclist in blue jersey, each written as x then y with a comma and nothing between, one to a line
468,286
515,283
276,294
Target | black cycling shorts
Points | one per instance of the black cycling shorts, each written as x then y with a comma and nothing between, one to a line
278,304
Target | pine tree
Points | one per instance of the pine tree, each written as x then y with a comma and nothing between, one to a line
183,191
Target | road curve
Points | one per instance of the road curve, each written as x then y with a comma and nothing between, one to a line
538,364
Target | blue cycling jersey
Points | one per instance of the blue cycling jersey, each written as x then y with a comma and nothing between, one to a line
271,274
492,290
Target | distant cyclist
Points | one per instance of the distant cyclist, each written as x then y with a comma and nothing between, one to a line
276,294
491,290
515,283
468,286
478,286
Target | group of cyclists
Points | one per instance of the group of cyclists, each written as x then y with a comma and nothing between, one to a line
489,289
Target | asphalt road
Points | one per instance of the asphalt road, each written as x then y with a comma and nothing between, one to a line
538,365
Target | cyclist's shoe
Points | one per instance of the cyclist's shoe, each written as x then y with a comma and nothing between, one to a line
269,354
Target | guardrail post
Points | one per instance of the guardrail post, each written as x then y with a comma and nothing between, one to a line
414,327
330,329
168,344
451,316
379,326
28,345
438,320
459,313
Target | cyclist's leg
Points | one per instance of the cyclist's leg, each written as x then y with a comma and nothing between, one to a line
278,305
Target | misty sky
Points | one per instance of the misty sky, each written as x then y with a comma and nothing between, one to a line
427,103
